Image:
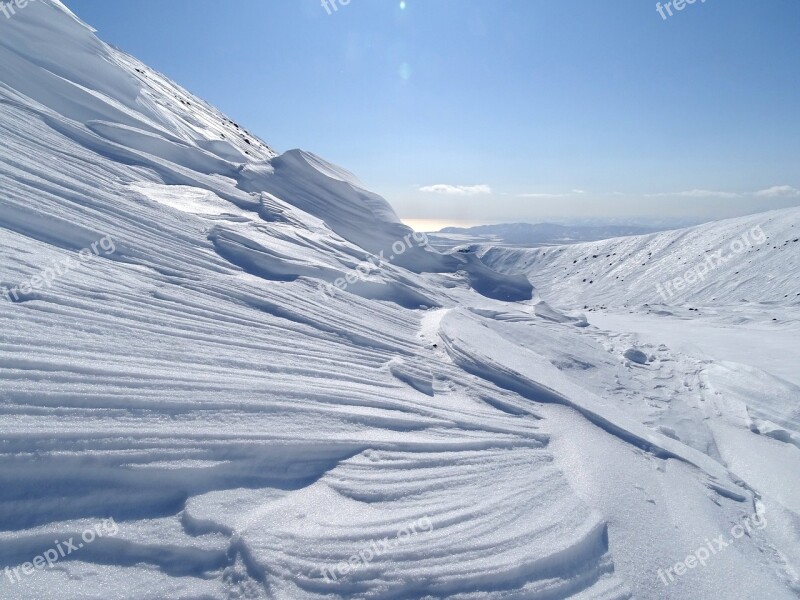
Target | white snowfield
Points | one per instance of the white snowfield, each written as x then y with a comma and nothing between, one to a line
177,355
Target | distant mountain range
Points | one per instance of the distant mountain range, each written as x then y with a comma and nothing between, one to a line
534,235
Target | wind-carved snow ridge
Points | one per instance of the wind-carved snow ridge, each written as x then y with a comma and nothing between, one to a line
256,436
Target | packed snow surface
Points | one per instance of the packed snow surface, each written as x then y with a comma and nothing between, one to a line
250,380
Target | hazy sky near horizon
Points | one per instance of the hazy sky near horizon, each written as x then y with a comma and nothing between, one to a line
509,110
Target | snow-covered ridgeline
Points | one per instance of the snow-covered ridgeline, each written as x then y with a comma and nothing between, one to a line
745,259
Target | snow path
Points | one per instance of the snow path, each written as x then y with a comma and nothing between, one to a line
770,346
609,478
721,370
512,367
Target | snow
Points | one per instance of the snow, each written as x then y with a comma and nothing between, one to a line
256,435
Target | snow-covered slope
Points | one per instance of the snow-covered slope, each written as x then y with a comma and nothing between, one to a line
747,259
174,357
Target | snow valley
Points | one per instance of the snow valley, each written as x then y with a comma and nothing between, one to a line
485,422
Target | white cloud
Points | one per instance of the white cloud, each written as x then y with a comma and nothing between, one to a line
695,194
456,190
779,191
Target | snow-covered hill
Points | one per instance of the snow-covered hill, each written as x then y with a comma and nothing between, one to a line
277,390
747,259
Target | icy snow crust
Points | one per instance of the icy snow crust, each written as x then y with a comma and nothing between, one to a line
253,433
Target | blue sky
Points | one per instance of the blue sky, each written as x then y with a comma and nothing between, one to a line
487,111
